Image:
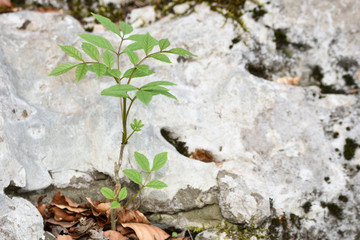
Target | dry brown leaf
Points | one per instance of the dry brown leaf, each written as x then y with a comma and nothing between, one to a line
358,74
61,215
42,209
71,209
130,216
202,155
5,4
60,223
114,235
147,232
60,199
289,80
64,237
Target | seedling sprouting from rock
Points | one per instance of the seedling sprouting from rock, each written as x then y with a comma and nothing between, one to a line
123,89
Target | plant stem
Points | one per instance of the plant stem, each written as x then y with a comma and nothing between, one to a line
142,187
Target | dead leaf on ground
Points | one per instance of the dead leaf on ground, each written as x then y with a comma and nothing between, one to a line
202,155
147,232
5,4
114,235
130,216
72,209
63,224
42,209
60,199
61,215
64,237
289,80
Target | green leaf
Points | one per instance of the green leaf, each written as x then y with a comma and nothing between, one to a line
133,47
80,72
156,83
148,43
98,41
144,97
99,69
142,161
114,72
140,71
164,43
108,193
122,194
181,52
118,90
91,51
136,37
161,57
133,57
156,184
72,52
107,23
125,28
63,68
115,205
108,59
159,161
155,88
134,175
167,94
136,125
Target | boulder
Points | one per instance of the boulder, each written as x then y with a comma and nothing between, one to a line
284,154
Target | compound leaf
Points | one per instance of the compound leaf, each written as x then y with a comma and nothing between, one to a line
164,43
159,161
108,59
144,96
80,72
72,52
142,161
134,175
125,28
156,184
91,50
63,68
107,23
98,41
108,193
161,57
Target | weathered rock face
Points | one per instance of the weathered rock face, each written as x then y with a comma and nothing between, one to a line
19,219
276,141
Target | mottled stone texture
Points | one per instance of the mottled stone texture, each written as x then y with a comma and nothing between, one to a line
283,146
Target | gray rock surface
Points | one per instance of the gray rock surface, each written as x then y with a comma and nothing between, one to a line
276,141
19,219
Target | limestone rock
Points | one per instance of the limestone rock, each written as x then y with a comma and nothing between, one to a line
20,221
275,141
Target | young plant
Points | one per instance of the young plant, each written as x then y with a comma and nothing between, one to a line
135,176
141,48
